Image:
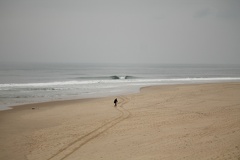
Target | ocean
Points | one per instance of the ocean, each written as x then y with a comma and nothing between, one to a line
32,83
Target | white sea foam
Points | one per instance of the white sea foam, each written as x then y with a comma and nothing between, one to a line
46,84
65,84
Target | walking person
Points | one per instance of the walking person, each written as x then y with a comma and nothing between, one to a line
115,102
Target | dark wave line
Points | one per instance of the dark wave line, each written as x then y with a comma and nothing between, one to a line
123,77
107,77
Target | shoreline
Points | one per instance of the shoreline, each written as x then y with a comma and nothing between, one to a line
122,93
69,98
182,121
11,107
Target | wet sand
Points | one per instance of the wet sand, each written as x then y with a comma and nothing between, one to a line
196,121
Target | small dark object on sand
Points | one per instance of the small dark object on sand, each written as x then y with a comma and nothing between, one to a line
115,102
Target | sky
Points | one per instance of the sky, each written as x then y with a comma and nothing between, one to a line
120,31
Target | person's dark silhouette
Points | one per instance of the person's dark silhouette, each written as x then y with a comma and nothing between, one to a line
115,102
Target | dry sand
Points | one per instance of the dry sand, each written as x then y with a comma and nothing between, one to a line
200,121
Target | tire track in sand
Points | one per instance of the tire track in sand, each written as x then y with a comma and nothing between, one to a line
78,143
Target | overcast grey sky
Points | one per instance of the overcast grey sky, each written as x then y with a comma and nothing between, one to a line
123,31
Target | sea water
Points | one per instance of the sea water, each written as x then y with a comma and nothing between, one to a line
32,83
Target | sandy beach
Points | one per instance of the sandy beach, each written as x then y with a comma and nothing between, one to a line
169,122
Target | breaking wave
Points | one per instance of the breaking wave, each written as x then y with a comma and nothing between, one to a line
48,86
122,77
107,77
